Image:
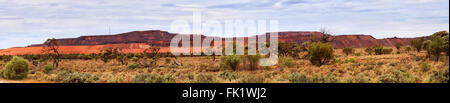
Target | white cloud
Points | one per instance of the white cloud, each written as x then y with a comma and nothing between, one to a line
40,19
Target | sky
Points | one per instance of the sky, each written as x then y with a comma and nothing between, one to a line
25,22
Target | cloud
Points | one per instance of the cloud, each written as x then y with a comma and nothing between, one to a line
37,20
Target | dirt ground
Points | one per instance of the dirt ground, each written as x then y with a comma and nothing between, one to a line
356,68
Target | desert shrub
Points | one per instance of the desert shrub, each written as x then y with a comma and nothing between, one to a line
418,58
167,60
286,62
231,61
254,61
350,60
440,76
47,69
17,68
298,78
387,50
378,50
348,51
398,76
357,54
425,67
289,49
417,44
320,53
253,79
408,48
228,75
76,77
1,73
205,78
369,50
329,78
153,78
135,59
134,66
398,46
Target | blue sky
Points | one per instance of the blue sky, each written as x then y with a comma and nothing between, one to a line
25,22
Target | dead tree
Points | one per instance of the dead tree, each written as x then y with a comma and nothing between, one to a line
51,47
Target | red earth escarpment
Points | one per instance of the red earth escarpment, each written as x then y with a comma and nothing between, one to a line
138,41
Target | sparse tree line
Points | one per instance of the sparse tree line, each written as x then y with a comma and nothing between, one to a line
318,51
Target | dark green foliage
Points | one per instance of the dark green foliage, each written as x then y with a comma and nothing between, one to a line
417,44
153,78
320,53
369,50
298,78
348,51
205,78
134,66
47,69
231,61
387,50
289,49
75,77
425,67
17,68
286,62
398,46
254,61
438,44
440,76
228,75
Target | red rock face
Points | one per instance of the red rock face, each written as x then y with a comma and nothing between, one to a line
137,41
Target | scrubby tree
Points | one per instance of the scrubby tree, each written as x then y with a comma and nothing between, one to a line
417,44
398,46
348,51
108,54
369,50
289,49
51,48
231,61
320,53
437,44
326,36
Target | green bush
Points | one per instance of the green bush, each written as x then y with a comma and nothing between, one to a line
398,76
47,69
387,50
76,77
134,66
378,50
289,49
440,76
320,53
408,48
438,44
357,54
228,75
153,78
253,79
231,61
205,78
425,67
348,51
298,78
286,62
369,50
17,68
254,61
417,44
351,60
398,46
